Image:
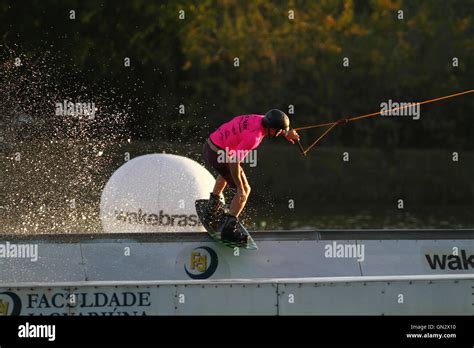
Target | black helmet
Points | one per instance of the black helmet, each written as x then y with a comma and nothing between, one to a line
276,119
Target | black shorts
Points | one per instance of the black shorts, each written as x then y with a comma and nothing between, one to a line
223,169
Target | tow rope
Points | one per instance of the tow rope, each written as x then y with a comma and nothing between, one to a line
331,125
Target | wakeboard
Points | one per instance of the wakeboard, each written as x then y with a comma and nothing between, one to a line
201,205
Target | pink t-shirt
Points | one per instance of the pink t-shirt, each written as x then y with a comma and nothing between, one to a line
241,134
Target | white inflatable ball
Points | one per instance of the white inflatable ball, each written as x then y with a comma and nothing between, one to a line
155,193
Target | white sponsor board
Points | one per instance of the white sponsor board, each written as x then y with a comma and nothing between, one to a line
409,295
197,258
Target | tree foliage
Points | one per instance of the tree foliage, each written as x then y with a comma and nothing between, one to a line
282,60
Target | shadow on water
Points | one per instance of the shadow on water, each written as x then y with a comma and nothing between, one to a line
350,217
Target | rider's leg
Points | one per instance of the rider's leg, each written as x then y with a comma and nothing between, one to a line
219,186
230,232
240,199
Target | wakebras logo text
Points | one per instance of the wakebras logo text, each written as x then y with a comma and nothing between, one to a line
160,219
203,262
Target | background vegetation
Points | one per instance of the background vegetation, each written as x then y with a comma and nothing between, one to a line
282,62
